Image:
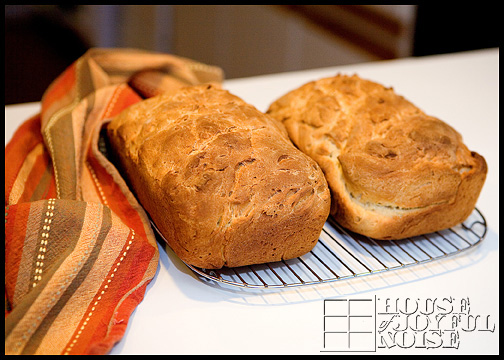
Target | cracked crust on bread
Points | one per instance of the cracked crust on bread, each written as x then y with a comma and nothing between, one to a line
221,180
394,171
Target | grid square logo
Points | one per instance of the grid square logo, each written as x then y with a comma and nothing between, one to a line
349,325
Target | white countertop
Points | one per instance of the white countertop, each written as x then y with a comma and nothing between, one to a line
181,314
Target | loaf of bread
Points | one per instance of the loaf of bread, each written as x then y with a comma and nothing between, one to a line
393,171
221,180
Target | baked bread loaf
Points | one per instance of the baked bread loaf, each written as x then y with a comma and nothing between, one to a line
394,172
221,180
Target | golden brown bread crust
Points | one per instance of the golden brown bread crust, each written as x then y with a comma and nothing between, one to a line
393,171
221,180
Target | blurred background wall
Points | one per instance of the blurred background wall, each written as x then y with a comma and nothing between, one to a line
245,40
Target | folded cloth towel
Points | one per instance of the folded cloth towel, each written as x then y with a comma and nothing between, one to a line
79,249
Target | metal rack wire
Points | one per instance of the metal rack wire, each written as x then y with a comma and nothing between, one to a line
341,255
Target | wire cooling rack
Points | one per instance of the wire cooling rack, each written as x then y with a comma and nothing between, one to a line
340,254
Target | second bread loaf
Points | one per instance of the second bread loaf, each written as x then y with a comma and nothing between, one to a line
393,171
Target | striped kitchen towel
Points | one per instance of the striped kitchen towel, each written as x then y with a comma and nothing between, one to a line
79,249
